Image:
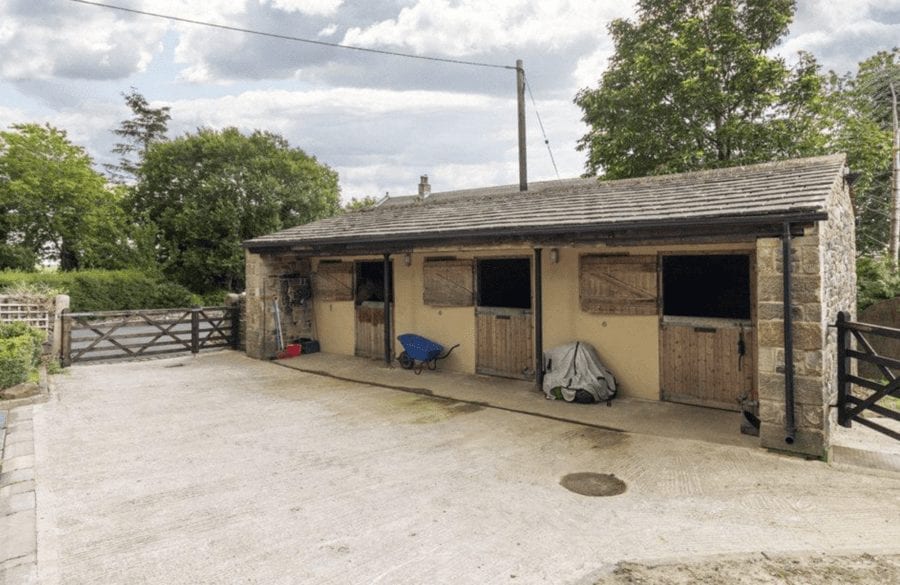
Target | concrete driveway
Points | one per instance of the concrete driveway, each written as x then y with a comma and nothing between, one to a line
222,469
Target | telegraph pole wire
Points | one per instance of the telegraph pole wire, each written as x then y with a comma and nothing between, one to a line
521,81
541,124
291,38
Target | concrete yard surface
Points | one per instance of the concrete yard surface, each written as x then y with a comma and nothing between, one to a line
221,469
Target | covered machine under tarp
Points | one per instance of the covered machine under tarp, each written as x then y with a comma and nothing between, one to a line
573,372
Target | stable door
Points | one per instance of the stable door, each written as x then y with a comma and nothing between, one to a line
503,318
707,337
369,300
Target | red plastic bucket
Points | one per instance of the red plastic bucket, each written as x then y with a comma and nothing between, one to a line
290,350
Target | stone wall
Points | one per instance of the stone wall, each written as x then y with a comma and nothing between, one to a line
823,283
838,284
264,275
239,302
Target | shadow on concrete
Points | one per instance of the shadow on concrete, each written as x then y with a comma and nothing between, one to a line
648,417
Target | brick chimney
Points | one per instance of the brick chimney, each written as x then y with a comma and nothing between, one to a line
424,187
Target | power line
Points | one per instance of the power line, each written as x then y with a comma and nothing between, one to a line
291,38
541,124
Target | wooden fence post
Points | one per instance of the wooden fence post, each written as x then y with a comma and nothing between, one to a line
843,368
195,330
65,349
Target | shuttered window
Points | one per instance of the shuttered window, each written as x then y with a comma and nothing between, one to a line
449,283
619,285
333,281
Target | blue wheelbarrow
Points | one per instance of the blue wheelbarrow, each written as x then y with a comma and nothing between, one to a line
420,353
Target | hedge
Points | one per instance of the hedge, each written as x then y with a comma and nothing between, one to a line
106,290
20,352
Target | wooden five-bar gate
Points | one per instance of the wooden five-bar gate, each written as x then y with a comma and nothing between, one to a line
113,335
861,389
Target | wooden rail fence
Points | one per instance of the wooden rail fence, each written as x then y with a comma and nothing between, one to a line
114,335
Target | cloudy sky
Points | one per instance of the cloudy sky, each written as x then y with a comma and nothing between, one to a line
380,121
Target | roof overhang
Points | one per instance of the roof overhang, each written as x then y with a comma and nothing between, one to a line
681,228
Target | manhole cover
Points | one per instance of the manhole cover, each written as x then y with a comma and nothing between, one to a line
593,484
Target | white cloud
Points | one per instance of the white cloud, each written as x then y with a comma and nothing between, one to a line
101,46
378,139
840,34
590,67
308,7
473,26
328,30
338,101
208,10
9,116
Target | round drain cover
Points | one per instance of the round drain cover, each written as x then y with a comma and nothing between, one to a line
587,483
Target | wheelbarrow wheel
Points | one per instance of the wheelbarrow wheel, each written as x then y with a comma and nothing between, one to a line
406,362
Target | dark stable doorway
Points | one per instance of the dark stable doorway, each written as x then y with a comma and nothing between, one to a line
370,282
715,286
504,282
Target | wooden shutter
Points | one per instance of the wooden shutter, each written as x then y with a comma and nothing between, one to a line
333,281
619,285
449,283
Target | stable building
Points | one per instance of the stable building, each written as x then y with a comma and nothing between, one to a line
680,282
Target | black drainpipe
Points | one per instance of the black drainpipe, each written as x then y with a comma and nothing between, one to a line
789,425
538,322
387,309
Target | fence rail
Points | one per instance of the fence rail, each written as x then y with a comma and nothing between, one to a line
870,395
113,335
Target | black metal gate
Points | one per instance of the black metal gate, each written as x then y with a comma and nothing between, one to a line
113,335
858,392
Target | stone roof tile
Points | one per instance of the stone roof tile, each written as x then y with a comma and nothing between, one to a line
780,188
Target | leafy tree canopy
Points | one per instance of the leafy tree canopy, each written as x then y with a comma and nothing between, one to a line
56,208
692,84
145,127
359,204
861,105
209,191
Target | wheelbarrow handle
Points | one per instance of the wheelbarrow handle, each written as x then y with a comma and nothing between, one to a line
446,355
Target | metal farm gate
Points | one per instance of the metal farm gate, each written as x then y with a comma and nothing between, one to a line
112,335
868,383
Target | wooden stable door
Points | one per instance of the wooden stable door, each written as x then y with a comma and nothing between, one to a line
369,293
504,345
370,330
703,363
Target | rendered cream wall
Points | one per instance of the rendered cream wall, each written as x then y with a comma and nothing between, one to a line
335,322
628,345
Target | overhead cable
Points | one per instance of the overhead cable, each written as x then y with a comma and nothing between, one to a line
292,38
541,124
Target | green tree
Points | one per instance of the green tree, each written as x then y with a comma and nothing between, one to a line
56,207
877,280
145,127
360,204
692,84
861,103
207,192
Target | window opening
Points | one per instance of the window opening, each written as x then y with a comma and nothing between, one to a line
706,286
370,283
504,282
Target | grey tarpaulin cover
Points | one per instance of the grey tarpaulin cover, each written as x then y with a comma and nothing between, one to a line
575,366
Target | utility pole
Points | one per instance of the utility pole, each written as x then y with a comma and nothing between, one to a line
520,91
895,183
